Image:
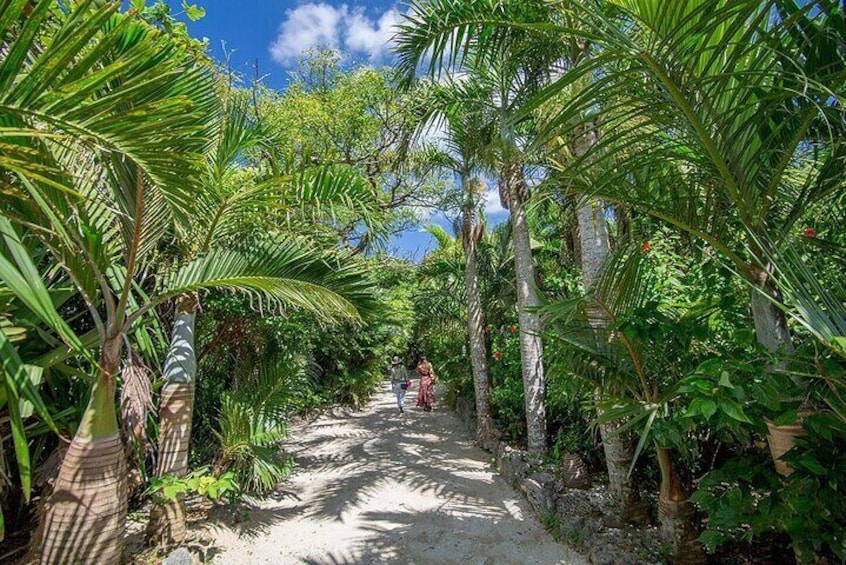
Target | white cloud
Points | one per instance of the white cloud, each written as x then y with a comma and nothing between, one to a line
322,25
372,37
305,27
493,207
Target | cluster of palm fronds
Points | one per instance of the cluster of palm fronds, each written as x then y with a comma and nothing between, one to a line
716,122
133,177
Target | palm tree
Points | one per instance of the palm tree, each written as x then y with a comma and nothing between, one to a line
706,123
106,119
466,134
234,203
594,248
510,72
636,344
717,117
99,109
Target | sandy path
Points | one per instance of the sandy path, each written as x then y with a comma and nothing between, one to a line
374,487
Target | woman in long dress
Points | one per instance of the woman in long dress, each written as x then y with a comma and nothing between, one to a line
426,392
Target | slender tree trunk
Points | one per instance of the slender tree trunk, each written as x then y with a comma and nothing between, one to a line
771,328
531,344
618,447
167,521
593,239
86,516
485,431
675,514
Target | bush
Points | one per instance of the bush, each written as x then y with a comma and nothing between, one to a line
252,424
745,499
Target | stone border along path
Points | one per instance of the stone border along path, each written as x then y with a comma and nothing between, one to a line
377,487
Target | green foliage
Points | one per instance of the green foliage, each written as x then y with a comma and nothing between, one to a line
746,499
200,481
356,118
509,405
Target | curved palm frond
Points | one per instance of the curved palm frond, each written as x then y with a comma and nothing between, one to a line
706,109
102,80
289,272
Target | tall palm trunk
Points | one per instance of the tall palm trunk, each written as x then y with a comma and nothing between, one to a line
86,516
167,520
531,344
675,514
770,322
618,446
472,232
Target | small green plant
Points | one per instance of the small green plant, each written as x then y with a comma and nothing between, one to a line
576,537
552,522
168,488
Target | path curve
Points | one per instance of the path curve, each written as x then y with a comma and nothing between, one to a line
376,487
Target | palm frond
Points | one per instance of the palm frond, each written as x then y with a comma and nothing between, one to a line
290,272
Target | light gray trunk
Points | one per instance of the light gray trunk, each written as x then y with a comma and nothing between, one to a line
485,432
770,322
531,344
675,515
593,239
167,521
618,447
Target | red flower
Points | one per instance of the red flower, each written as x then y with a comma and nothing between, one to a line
497,355
645,246
486,329
809,232
513,329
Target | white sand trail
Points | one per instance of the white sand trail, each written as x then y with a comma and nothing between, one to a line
377,487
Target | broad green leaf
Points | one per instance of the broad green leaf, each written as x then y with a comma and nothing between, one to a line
734,410
702,406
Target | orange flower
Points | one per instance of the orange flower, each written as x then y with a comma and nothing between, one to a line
645,247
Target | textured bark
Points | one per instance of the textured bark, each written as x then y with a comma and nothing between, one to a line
619,451
167,521
593,239
531,344
675,515
770,322
485,431
85,518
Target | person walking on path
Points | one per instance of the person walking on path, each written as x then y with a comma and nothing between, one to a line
426,393
399,381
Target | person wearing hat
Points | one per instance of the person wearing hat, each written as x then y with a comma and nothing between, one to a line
399,380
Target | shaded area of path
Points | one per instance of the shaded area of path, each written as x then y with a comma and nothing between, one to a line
377,487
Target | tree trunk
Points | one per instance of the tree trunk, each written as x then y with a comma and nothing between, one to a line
593,239
619,451
770,322
485,431
675,515
167,521
531,344
86,515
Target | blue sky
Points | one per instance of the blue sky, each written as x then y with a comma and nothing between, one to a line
276,32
